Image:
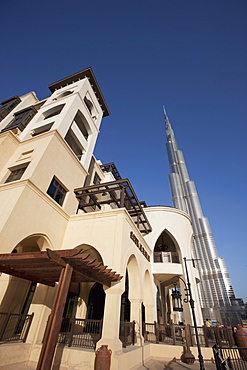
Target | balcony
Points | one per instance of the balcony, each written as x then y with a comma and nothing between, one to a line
166,257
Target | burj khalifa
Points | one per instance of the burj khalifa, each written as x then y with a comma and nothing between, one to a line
215,289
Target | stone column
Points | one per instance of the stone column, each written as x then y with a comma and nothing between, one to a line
136,315
111,321
150,313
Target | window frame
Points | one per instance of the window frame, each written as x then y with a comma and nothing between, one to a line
59,190
16,171
21,119
8,105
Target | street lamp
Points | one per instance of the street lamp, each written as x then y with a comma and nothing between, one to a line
176,299
192,305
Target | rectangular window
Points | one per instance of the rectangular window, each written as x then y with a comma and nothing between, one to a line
21,119
96,179
56,191
16,173
8,105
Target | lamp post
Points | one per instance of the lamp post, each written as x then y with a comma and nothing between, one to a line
192,305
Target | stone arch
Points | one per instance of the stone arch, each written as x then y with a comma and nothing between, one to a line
166,248
148,292
125,302
19,293
87,248
134,278
86,295
33,243
147,304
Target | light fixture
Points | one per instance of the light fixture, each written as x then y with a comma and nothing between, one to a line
176,299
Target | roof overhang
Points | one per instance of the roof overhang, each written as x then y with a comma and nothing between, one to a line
85,73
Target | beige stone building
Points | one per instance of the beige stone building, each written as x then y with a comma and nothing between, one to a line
56,196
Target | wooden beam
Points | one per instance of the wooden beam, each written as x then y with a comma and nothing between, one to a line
54,257
55,320
24,275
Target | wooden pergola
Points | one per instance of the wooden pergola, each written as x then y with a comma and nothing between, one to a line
49,267
118,193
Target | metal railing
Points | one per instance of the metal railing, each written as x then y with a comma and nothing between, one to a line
223,336
127,333
166,257
82,333
169,334
181,334
14,327
230,358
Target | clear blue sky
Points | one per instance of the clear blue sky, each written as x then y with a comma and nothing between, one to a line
189,55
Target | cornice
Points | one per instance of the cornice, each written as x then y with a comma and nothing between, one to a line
11,136
167,209
109,214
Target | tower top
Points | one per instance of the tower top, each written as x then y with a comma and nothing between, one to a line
85,73
169,131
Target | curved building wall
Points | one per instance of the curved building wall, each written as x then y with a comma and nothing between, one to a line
178,225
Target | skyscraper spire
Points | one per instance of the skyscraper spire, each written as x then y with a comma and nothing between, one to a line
214,291
169,131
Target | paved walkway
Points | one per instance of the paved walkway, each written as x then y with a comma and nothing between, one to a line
167,364
154,364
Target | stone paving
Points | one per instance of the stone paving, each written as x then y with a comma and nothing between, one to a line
154,364
167,364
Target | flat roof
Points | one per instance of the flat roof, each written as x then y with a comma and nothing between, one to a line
85,73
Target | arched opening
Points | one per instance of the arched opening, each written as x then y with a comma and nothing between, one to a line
159,307
143,312
82,124
94,254
165,249
53,111
83,296
19,292
72,301
64,94
96,302
76,144
90,106
125,302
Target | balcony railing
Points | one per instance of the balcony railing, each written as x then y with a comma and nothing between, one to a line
230,358
14,327
127,333
180,334
82,333
85,333
166,257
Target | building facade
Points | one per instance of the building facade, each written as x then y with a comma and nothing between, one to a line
215,288
62,208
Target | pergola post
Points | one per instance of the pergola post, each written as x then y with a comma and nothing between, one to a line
55,320
48,267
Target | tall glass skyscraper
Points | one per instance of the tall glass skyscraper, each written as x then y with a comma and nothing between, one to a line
215,289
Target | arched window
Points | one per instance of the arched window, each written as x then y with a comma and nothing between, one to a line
165,249
96,302
125,302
